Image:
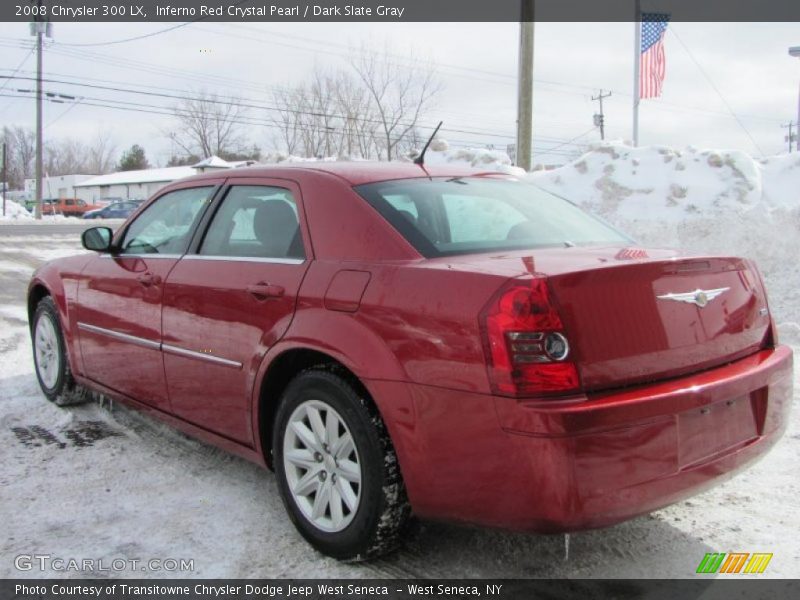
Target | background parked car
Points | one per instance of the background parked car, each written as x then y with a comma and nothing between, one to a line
115,210
69,207
106,200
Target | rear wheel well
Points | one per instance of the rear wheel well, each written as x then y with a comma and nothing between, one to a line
34,297
282,370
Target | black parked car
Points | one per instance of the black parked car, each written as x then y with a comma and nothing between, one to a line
115,210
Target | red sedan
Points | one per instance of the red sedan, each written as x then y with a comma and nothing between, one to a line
394,339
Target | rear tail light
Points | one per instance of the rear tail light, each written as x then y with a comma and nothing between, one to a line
527,350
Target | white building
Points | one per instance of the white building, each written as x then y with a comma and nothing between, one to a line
129,184
144,183
61,186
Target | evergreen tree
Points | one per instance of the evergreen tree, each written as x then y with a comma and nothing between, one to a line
133,159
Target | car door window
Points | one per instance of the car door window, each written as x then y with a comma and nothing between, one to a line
165,226
255,222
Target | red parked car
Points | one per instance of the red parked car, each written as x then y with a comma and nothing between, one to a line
393,339
69,207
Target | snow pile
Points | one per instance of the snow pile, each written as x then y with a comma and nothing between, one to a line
280,157
14,211
781,180
481,158
704,201
438,153
657,182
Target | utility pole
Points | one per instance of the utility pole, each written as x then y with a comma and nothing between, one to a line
5,174
599,119
525,87
795,52
39,28
791,137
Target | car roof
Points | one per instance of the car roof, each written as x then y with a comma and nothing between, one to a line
354,172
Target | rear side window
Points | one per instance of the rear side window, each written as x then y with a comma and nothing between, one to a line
255,222
464,215
464,227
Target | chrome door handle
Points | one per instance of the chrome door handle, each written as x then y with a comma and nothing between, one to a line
262,291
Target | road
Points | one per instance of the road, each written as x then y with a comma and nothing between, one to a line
71,227
104,481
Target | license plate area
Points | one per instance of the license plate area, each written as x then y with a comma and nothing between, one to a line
706,432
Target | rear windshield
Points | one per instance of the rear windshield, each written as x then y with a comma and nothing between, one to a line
465,215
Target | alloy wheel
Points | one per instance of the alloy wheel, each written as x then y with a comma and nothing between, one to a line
323,470
46,351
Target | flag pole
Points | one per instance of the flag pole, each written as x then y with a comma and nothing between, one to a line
637,54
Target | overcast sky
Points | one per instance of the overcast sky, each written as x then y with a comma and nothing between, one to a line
712,70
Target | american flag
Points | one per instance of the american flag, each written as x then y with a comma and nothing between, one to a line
653,64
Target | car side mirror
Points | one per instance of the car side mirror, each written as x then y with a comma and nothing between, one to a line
97,239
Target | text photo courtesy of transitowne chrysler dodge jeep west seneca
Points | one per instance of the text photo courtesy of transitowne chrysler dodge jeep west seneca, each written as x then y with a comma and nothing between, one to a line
396,340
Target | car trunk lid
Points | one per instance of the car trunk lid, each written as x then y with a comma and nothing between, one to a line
653,319
635,316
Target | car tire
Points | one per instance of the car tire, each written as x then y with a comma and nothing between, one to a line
50,357
367,507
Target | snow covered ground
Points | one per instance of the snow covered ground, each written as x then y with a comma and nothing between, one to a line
107,482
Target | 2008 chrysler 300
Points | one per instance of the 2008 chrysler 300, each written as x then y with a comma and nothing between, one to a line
395,339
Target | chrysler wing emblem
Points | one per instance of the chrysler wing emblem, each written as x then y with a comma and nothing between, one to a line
699,297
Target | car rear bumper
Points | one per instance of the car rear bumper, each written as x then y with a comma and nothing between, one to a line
593,461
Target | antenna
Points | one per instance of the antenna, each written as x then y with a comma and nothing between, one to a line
420,160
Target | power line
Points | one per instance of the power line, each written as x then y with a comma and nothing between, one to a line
249,103
577,137
249,84
71,106
160,110
147,35
716,89
131,39
19,66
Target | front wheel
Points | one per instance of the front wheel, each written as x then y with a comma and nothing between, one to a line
50,357
336,467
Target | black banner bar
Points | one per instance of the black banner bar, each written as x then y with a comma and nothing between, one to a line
399,589
278,11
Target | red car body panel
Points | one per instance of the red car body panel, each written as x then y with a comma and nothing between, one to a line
653,423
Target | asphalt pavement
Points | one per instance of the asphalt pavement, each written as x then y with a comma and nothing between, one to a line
56,227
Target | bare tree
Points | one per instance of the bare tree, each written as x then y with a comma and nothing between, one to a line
21,149
65,157
101,153
400,94
306,117
286,120
329,115
209,125
359,126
